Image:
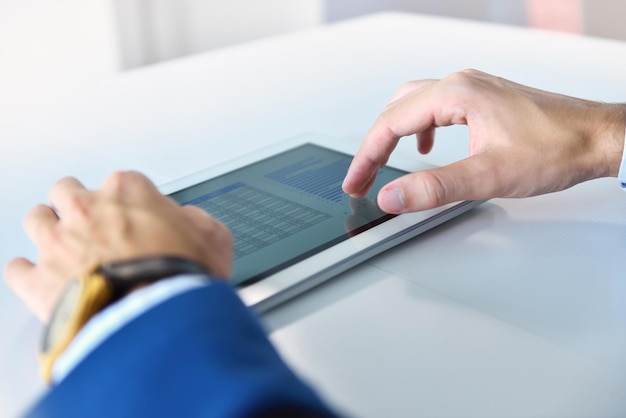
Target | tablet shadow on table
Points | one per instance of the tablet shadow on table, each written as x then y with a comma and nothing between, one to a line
539,276
361,277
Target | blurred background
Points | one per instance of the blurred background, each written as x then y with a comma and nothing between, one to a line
49,46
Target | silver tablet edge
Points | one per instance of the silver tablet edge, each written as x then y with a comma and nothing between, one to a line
359,257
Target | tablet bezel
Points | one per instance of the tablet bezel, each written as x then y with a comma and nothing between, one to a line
305,274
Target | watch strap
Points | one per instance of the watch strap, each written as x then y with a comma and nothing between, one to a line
128,274
95,293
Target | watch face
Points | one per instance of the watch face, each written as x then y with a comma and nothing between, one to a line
61,314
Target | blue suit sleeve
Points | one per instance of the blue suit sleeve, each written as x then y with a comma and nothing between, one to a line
199,354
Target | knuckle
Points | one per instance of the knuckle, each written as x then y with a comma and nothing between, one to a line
434,190
467,77
66,179
122,177
37,229
472,72
384,121
115,181
469,87
386,125
140,182
79,204
48,238
31,214
135,177
118,181
375,159
408,86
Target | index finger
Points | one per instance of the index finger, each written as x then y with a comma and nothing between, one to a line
414,113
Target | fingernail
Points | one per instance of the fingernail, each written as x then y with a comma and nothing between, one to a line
343,185
391,200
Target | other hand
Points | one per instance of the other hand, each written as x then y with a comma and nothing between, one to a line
126,218
523,142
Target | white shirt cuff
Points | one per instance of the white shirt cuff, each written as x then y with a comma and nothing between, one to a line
115,316
621,176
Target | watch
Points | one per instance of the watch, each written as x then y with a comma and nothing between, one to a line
101,286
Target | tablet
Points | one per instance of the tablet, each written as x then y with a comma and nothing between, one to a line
293,226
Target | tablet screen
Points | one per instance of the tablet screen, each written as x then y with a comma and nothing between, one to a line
286,207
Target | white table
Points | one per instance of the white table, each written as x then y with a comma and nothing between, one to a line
516,310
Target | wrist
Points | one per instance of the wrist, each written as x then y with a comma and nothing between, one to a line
609,136
113,318
101,286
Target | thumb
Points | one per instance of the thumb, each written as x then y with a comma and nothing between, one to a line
473,178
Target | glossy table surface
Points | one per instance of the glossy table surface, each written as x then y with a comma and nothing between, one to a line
517,309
